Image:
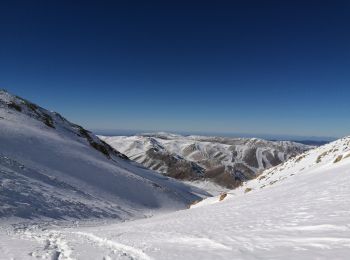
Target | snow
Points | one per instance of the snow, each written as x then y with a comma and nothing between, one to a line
298,210
49,169
209,186
313,161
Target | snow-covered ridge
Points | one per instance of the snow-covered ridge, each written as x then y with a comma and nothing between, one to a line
321,159
226,161
52,168
55,120
318,159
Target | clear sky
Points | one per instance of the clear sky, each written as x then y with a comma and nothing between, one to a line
258,67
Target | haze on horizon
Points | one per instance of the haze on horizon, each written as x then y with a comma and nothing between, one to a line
273,68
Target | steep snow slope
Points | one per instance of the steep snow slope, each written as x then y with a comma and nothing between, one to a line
299,210
52,168
226,161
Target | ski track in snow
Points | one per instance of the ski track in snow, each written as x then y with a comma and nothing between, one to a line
57,245
127,251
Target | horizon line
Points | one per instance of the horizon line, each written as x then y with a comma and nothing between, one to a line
129,132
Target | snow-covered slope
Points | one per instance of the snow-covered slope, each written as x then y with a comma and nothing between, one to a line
52,168
299,210
226,161
321,159
318,160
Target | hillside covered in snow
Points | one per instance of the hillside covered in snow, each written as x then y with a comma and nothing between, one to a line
298,210
224,161
52,168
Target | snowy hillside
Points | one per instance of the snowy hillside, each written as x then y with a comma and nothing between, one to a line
299,210
52,168
324,158
226,161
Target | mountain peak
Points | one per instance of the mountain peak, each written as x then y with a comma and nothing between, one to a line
52,120
54,168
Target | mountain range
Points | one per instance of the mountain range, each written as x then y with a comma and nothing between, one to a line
225,161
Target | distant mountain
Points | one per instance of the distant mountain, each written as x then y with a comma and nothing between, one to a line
50,167
312,142
225,161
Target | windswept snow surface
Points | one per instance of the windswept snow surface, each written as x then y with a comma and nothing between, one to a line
299,210
52,168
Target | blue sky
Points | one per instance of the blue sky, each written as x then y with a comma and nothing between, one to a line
228,67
